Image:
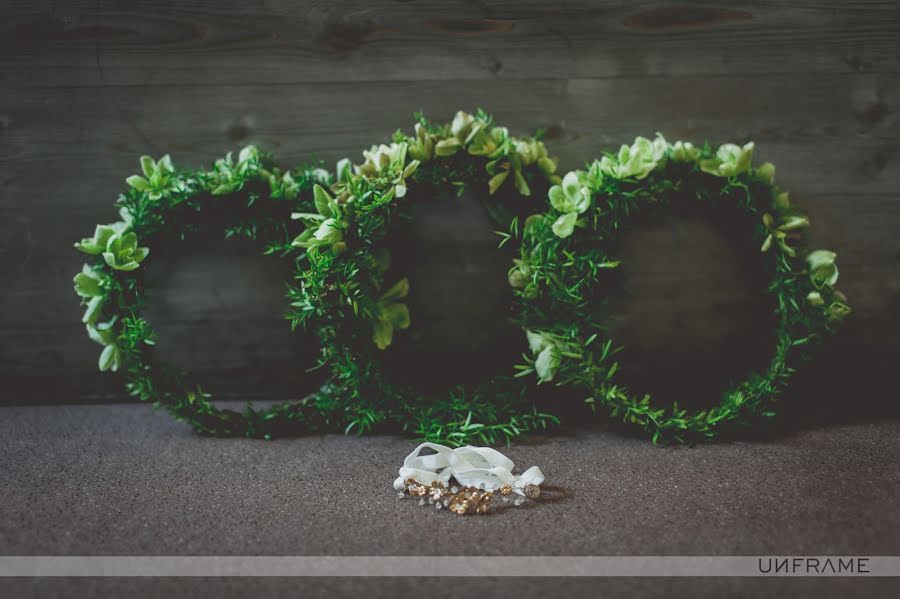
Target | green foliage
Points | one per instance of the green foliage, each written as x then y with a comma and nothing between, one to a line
103,234
559,278
490,417
159,209
342,289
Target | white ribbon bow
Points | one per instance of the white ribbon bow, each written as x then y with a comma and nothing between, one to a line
470,466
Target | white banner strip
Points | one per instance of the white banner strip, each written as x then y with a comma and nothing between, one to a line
533,566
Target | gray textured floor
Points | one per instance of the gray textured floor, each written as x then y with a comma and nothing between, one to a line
122,480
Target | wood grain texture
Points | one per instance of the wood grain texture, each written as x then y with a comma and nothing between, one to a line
86,87
135,43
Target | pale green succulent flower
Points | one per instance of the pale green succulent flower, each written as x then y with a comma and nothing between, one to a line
782,202
329,232
283,185
324,227
822,269
548,358
462,125
320,176
537,341
496,181
343,170
104,333
382,157
779,230
572,198
229,176
247,156
392,314
389,161
122,252
684,151
489,143
766,173
506,161
564,226
93,310
325,204
400,180
159,177
637,160
463,131
422,146
593,177
519,275
530,151
838,309
730,160
527,150
97,244
572,195
447,147
89,285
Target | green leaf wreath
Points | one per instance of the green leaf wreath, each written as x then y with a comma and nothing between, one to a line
335,226
158,209
566,254
346,291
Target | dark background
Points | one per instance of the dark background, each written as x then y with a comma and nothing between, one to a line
87,87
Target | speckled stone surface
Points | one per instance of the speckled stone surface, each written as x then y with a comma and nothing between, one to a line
122,480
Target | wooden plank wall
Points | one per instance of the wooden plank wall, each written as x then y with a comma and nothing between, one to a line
86,87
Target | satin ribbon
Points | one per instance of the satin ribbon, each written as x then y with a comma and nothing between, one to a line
470,466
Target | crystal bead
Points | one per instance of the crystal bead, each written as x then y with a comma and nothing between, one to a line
519,501
422,501
454,489
401,494
505,498
430,500
446,501
438,505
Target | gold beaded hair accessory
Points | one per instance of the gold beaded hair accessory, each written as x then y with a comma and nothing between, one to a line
465,480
